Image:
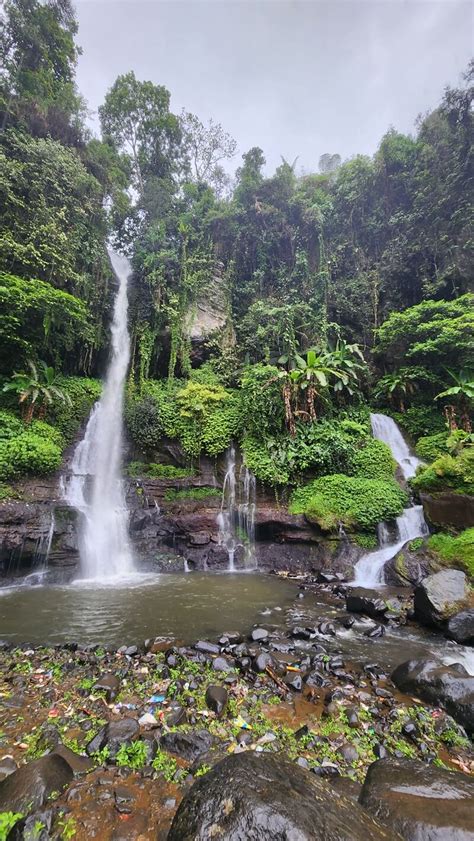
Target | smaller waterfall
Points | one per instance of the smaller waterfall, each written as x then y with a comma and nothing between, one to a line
385,429
369,571
236,519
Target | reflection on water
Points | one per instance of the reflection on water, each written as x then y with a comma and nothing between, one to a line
183,607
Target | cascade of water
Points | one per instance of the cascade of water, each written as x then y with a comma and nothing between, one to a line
95,487
385,429
236,519
369,571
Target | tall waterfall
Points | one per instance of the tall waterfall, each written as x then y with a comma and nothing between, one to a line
236,519
95,487
369,571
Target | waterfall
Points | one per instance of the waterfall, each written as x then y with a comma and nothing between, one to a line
95,487
385,429
369,571
236,519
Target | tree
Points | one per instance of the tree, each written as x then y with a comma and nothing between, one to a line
204,148
36,390
329,163
136,118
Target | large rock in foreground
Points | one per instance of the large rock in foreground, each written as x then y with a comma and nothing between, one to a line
439,596
419,801
448,686
262,797
29,787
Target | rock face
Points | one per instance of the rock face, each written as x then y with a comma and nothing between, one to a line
448,686
449,509
29,787
420,801
208,316
440,595
261,797
360,600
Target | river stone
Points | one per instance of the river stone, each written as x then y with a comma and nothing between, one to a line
189,745
360,600
460,627
438,594
111,684
448,686
216,699
419,801
262,797
114,734
29,787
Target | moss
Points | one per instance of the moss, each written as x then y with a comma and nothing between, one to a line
455,551
447,472
191,493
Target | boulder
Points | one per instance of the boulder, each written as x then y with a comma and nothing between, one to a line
448,509
113,735
360,600
263,797
29,787
216,699
189,745
440,595
448,686
460,627
420,801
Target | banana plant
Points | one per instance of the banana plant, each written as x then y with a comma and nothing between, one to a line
36,390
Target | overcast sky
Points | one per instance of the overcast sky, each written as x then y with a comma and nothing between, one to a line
295,78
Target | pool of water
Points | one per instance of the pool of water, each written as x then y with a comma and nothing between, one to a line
184,607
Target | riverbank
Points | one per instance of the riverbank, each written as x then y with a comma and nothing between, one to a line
145,722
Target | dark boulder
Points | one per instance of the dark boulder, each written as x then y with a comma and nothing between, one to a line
29,787
79,764
216,699
110,684
460,627
439,595
189,745
448,509
360,600
262,797
448,686
419,801
113,735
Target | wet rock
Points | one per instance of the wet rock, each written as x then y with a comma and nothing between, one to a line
147,720
259,634
349,753
294,681
176,717
327,629
375,632
262,661
360,600
262,797
449,509
79,764
30,786
207,647
189,745
420,801
327,769
216,699
438,595
448,686
114,734
110,684
300,633
460,627
7,766
221,664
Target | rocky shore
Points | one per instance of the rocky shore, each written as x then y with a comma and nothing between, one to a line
261,735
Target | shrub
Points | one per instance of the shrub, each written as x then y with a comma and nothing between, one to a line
454,473
429,447
420,421
263,465
28,453
455,550
262,401
158,471
143,421
10,426
355,502
373,461
83,393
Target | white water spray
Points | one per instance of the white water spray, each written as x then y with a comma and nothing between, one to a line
95,487
369,571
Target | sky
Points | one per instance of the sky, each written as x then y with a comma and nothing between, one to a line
298,79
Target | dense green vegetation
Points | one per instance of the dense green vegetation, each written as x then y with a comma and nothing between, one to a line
331,291
455,551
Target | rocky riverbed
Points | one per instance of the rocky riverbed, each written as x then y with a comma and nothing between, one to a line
102,742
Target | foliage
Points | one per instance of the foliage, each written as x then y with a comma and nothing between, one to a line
262,462
373,461
455,550
7,822
132,756
401,385
262,405
447,472
420,421
429,447
171,495
165,764
355,502
68,417
36,317
158,471
28,453
36,390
